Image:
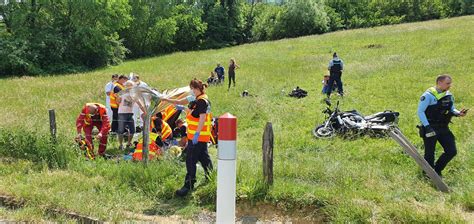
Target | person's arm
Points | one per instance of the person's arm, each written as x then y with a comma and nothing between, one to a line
330,65
175,101
422,105
118,99
454,110
107,89
80,121
105,124
202,119
342,65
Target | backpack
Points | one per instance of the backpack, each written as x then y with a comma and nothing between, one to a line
298,93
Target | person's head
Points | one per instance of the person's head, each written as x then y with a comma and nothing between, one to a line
326,77
122,79
115,77
334,55
158,116
91,109
218,64
232,61
129,84
443,82
134,77
179,122
197,86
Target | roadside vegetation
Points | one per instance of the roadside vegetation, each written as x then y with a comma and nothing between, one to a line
337,180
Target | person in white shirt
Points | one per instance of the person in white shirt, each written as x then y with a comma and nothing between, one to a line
108,89
125,116
136,110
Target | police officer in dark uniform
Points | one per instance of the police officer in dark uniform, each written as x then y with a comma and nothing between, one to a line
335,73
435,110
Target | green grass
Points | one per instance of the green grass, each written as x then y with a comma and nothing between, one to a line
363,180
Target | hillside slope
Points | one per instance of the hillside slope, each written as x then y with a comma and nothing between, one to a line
367,180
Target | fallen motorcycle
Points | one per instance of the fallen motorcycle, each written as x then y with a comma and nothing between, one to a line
353,124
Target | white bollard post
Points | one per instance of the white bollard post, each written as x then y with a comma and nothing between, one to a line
226,168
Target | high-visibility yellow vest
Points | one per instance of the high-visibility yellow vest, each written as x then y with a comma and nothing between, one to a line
153,148
193,122
168,112
435,93
165,128
113,96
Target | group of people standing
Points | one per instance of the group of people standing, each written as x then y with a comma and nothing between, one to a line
197,127
121,108
435,110
218,75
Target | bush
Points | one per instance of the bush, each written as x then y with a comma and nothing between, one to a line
59,37
302,17
266,18
190,28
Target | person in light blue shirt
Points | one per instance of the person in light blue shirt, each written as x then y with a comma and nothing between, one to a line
335,68
435,110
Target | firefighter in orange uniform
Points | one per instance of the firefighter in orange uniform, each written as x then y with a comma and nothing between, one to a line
154,149
160,131
93,115
198,119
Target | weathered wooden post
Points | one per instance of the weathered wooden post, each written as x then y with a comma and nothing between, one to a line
52,125
267,149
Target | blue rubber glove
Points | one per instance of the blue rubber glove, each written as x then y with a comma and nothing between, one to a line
179,107
195,138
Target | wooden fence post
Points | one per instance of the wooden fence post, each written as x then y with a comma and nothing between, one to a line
52,125
267,149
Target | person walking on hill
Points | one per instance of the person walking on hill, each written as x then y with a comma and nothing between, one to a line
335,73
232,67
220,71
198,132
93,115
435,110
108,89
118,86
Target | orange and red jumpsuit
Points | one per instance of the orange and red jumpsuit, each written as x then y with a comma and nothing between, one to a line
87,122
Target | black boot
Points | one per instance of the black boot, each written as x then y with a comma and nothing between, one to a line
187,187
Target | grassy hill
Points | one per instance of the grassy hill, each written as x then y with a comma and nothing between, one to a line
338,180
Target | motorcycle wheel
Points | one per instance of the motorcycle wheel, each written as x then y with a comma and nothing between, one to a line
323,132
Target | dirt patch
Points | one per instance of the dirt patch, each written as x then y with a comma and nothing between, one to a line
246,212
264,212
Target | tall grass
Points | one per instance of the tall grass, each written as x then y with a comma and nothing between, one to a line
361,180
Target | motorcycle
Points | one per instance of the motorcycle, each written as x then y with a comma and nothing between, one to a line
352,123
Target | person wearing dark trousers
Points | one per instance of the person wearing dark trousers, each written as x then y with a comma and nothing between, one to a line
435,110
335,73
198,133
232,67
118,86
